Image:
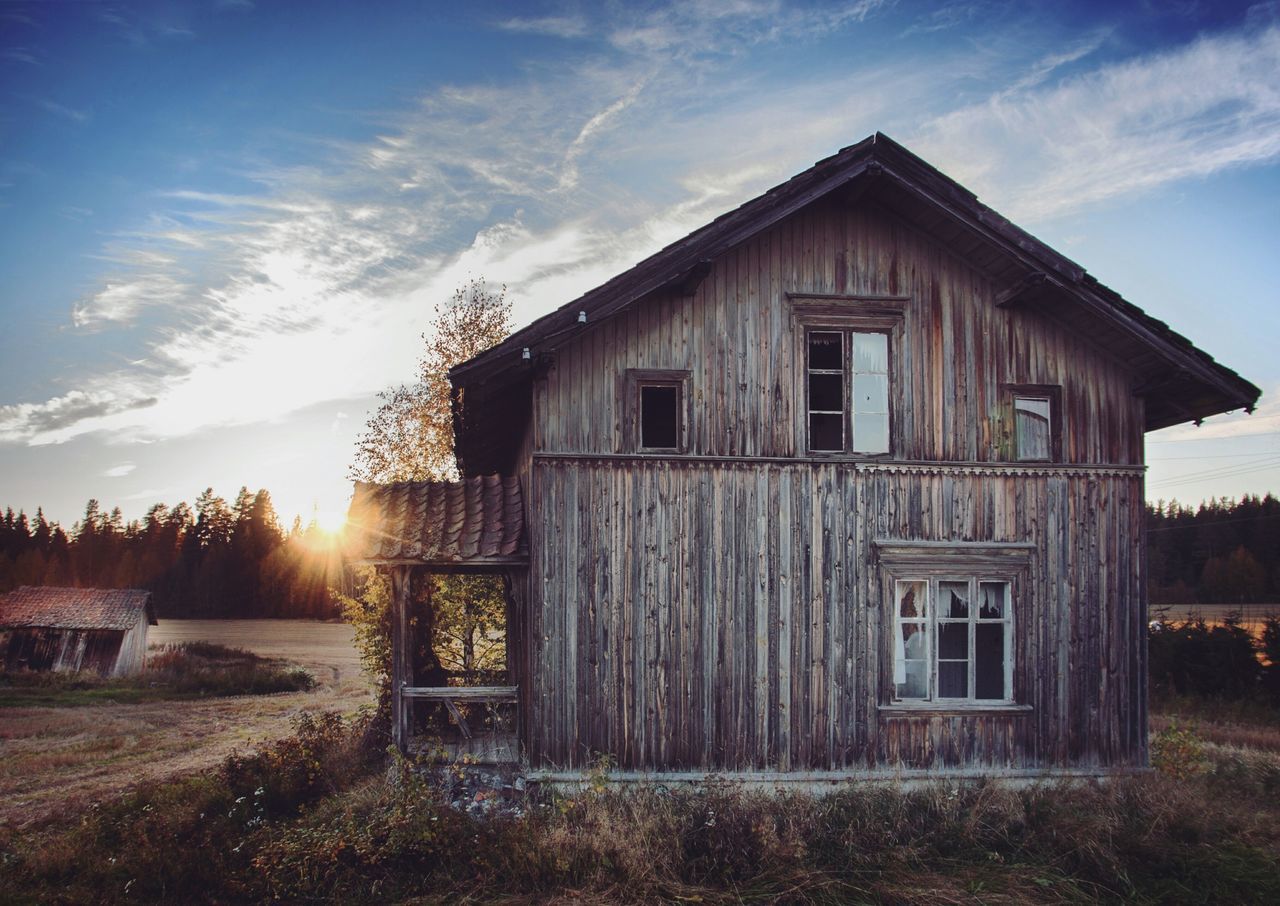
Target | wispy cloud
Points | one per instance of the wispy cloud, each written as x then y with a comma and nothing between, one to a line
120,471
1041,150
555,26
315,286
139,29
20,55
79,116
25,421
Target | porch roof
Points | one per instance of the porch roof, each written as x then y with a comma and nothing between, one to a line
472,524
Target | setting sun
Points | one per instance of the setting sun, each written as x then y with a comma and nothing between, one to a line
331,521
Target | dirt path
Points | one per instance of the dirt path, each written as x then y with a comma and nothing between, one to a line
58,759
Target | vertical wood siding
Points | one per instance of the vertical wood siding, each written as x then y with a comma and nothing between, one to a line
728,614
731,616
734,335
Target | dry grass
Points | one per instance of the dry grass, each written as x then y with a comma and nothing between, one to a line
1264,738
56,760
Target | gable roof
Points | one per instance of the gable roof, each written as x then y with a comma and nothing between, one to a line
1180,382
474,522
48,607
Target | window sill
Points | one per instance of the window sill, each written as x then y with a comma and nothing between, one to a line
952,708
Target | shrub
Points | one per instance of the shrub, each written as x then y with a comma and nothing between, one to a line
1193,658
1177,751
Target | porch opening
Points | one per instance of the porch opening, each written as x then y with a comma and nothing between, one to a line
458,565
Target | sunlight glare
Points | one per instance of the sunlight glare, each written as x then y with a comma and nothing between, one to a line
330,521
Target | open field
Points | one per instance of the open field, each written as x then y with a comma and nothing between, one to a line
57,759
326,649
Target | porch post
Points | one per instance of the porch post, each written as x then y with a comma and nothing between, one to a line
401,708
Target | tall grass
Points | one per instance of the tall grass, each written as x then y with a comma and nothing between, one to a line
308,819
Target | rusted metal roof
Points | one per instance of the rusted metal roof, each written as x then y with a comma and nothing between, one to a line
477,521
75,608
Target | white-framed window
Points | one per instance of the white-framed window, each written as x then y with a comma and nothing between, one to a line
953,639
847,390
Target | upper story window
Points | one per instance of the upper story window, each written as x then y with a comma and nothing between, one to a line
845,349
848,390
659,415
656,404
1036,422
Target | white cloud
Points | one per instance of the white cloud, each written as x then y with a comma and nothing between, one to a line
1044,149
555,26
120,471
251,306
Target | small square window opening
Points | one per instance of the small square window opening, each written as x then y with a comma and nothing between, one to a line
660,416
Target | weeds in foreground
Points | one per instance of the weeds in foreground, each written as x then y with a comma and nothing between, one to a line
308,819
184,671
190,840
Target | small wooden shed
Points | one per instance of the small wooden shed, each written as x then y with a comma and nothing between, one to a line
98,629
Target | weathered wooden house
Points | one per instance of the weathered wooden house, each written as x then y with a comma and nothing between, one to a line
846,483
98,629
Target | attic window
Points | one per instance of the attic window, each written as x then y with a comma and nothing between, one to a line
656,402
660,416
848,387
1036,429
1032,417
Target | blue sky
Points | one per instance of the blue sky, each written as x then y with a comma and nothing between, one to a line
223,224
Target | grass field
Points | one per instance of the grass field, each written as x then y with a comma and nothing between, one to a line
273,798
58,755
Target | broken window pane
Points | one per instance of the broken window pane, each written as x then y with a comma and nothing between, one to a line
953,600
991,600
1032,414
826,351
988,661
911,599
660,416
870,392
826,432
826,392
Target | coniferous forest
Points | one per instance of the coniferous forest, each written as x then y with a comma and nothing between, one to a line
216,559
211,560
1221,552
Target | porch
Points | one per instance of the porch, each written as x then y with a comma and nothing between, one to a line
454,553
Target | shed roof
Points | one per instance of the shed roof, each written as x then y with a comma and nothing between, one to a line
75,608
1179,381
472,523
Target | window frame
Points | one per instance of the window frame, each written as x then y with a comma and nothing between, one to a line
1050,392
847,315
975,562
636,379
931,624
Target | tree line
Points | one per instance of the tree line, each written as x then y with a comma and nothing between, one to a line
1221,552
210,560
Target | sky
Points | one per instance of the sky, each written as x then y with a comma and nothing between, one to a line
223,225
